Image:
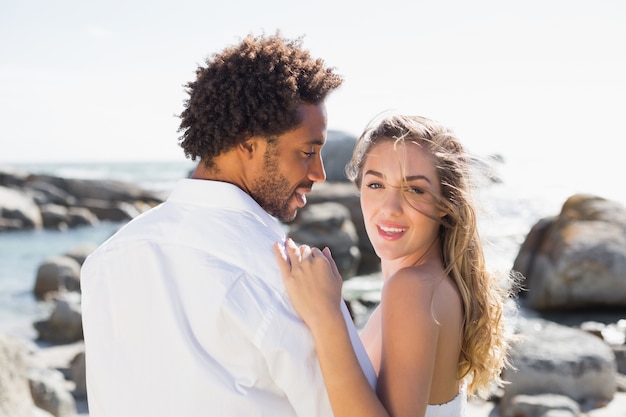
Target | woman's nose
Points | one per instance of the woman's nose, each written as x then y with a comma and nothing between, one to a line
392,201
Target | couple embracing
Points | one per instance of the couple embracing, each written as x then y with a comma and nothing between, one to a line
201,307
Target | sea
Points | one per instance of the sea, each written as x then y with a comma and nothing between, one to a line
526,190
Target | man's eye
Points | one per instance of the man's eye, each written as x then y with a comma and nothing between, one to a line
309,154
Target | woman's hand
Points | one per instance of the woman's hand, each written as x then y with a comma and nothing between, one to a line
312,281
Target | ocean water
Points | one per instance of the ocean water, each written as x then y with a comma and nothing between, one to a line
22,252
527,192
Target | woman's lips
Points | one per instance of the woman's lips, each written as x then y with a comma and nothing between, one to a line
389,232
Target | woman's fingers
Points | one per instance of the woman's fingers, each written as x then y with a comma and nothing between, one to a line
305,252
296,260
292,256
281,258
332,263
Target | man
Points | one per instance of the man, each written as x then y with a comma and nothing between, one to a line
184,311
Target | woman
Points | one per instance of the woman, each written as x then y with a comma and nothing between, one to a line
438,333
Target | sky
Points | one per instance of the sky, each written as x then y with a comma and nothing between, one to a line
85,81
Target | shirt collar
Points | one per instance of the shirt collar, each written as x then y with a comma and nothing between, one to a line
220,194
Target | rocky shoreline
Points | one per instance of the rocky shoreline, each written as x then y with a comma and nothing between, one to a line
570,360
577,367
55,380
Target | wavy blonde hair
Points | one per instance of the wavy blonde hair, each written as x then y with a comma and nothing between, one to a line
485,341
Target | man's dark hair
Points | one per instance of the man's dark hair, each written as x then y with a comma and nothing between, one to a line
251,89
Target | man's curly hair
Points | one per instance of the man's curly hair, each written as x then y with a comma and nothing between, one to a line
251,89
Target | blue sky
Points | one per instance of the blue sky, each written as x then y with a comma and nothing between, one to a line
103,80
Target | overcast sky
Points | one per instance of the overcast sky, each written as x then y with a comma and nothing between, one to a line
103,80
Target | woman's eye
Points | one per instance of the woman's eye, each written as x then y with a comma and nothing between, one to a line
415,190
309,154
374,185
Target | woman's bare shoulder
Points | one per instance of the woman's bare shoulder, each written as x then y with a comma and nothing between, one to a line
422,289
409,289
416,278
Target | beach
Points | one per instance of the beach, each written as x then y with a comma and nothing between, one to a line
509,208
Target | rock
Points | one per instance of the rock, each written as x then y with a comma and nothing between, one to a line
77,375
46,193
79,253
620,358
81,216
551,358
15,397
577,259
61,218
107,190
56,274
336,153
20,208
346,194
49,393
12,178
54,216
32,201
612,334
540,405
329,224
65,322
109,210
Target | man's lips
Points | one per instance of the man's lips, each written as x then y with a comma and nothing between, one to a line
300,195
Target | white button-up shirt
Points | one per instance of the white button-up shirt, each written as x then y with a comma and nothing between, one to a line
185,314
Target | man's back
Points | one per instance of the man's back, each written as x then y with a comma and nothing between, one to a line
184,314
181,319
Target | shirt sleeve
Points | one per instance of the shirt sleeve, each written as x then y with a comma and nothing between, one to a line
288,347
267,350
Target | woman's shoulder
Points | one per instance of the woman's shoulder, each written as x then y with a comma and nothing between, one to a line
410,288
421,287
416,278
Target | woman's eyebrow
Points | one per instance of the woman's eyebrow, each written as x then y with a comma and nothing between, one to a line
409,178
374,173
418,177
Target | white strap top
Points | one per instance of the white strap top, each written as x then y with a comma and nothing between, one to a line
456,407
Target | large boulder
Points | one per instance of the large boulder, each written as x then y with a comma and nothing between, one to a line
346,194
329,224
578,258
556,359
336,153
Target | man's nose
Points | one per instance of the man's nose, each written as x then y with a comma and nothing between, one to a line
316,169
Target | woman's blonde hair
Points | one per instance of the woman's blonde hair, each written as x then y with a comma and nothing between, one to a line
485,341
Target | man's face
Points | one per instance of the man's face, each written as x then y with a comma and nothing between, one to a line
291,165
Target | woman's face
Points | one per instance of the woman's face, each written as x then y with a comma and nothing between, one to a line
398,192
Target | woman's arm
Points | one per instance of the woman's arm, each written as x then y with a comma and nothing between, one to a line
314,287
410,333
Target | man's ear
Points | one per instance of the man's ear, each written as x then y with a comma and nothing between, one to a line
248,148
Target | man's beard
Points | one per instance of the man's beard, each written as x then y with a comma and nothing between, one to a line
273,192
